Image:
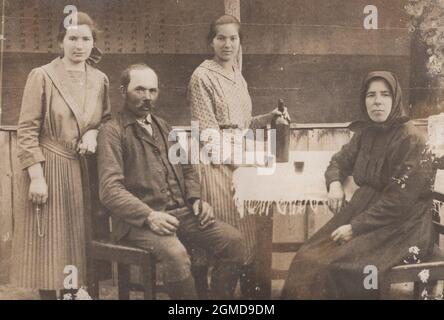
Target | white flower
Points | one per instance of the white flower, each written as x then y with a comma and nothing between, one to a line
414,250
414,9
424,275
424,294
434,65
67,296
82,294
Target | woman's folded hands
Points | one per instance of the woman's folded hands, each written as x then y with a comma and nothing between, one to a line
88,143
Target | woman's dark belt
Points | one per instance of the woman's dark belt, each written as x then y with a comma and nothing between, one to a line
58,148
228,126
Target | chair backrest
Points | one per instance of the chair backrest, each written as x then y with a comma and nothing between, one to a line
100,217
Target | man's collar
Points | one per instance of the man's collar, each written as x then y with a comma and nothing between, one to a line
129,118
147,119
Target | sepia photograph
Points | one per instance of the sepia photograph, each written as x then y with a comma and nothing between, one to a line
251,151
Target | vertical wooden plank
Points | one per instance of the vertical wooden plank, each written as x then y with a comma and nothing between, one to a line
5,205
264,260
441,216
16,171
232,7
123,281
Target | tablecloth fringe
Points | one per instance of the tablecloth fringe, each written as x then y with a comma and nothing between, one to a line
262,207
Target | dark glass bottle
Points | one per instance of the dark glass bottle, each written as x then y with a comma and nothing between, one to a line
282,127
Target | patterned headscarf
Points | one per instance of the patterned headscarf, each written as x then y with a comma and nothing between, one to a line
398,114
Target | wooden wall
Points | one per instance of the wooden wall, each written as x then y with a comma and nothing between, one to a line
8,165
168,35
312,53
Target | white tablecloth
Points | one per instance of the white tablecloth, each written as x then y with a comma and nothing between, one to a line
291,191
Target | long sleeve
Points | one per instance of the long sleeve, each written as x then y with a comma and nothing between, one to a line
201,102
342,163
31,119
261,121
106,115
192,185
112,191
409,181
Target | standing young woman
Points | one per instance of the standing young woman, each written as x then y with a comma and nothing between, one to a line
64,103
219,99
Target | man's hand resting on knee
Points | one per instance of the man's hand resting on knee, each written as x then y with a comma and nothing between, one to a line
204,213
162,223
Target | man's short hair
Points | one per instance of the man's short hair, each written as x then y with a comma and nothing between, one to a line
125,77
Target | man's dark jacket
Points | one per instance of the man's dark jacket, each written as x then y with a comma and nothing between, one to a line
130,183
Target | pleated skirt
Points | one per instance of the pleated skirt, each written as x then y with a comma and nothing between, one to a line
40,255
217,190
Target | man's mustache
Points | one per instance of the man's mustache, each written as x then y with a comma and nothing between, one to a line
148,104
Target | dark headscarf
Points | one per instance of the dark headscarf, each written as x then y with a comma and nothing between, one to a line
398,114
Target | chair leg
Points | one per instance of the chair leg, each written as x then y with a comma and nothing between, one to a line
94,288
417,288
93,280
149,278
123,281
385,288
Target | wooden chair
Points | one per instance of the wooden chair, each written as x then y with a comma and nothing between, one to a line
410,272
125,256
102,252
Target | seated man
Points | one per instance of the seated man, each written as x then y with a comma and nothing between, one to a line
155,204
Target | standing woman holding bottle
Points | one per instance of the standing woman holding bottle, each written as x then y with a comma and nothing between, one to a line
64,103
219,99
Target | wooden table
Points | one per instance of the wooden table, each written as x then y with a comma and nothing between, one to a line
291,189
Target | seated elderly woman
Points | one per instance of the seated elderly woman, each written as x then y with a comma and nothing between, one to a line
387,215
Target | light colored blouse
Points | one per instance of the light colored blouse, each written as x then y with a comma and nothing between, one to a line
219,98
